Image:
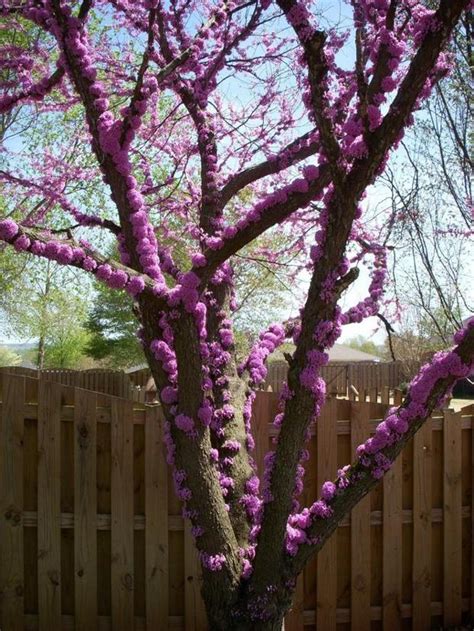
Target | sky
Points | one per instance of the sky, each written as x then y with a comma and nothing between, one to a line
336,11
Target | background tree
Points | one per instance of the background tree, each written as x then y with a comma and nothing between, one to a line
263,294
430,186
257,100
66,348
9,357
112,328
42,301
361,343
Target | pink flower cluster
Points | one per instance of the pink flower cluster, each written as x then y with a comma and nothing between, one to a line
397,422
299,523
66,254
212,562
370,305
110,131
269,340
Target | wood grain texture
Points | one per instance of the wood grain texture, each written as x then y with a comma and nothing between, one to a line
194,612
85,509
422,500
392,547
327,557
122,583
360,532
11,503
294,620
49,508
452,532
156,522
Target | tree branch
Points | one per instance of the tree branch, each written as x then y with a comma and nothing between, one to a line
361,480
270,217
295,153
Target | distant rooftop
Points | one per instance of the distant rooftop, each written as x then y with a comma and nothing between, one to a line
338,353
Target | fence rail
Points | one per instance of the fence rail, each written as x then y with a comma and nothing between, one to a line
91,537
138,386
113,382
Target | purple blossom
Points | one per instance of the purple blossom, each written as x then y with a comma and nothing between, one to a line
8,229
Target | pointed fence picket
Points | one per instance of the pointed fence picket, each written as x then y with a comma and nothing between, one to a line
91,535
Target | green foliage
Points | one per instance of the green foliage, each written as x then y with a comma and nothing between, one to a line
65,348
43,301
8,357
112,329
361,343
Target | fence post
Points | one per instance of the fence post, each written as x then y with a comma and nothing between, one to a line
422,478
121,440
195,618
85,509
11,503
156,522
360,532
452,518
326,436
392,546
49,507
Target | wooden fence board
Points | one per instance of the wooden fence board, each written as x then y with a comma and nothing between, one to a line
122,583
156,523
327,557
145,510
11,504
340,377
392,546
262,408
49,509
360,532
422,474
452,526
85,509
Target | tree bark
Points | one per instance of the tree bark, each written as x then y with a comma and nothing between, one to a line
226,621
41,351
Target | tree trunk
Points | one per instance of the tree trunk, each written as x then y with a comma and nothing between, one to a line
261,613
41,351
226,621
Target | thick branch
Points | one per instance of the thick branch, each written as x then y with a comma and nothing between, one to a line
270,167
381,140
270,217
362,481
313,42
35,234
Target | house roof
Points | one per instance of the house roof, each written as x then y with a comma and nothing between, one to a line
342,353
338,353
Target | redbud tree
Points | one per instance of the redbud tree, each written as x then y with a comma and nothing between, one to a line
210,124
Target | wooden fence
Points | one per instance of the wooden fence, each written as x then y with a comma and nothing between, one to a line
91,535
341,377
114,382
